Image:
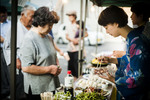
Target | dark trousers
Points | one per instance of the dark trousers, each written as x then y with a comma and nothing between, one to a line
5,81
73,63
20,95
5,78
30,96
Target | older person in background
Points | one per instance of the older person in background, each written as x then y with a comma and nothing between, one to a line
38,56
23,26
5,24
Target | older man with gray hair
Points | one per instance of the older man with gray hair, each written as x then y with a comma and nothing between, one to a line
23,26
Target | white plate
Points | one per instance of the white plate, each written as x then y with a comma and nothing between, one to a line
86,76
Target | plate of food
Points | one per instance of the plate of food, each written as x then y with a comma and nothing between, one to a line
97,63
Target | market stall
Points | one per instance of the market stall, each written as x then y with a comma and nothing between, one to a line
90,85
91,81
14,20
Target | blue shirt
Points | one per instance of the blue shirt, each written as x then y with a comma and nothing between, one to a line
4,28
133,74
51,33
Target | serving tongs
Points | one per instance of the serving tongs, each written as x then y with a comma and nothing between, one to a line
100,62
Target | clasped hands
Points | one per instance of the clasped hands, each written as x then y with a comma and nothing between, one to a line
55,70
75,41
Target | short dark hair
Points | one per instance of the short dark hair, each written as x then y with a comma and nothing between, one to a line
78,22
3,9
43,16
111,15
141,8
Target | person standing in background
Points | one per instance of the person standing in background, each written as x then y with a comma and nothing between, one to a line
5,24
23,26
74,48
71,30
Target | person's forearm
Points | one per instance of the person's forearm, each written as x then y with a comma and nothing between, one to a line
112,80
86,34
1,39
113,60
18,63
33,69
57,49
69,39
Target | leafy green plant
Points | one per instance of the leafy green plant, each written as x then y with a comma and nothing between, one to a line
90,96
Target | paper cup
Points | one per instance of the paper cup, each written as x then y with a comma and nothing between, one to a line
66,56
46,96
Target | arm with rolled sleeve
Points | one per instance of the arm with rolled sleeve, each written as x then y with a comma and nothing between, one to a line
28,55
28,58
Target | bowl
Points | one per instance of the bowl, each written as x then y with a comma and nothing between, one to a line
98,65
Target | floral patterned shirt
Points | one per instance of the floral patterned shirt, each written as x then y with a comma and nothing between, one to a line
133,68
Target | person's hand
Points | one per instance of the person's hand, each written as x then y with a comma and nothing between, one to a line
108,77
18,63
59,71
55,70
61,53
106,59
118,53
1,39
75,41
103,59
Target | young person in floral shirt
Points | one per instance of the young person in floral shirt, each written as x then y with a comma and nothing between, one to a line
132,78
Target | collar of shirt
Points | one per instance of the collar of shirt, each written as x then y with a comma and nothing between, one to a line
5,21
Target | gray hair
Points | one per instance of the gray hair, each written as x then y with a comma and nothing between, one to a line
25,8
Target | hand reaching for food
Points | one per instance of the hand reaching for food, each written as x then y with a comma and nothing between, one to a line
106,59
103,59
118,53
108,77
